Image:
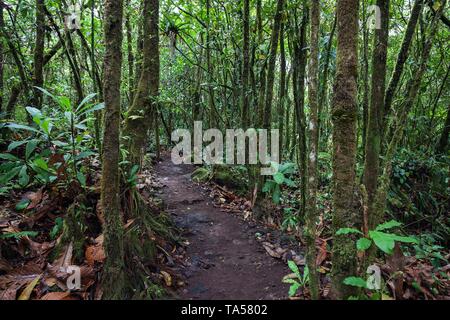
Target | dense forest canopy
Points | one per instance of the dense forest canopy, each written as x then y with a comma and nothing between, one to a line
91,93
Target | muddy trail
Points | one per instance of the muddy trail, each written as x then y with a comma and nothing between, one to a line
224,259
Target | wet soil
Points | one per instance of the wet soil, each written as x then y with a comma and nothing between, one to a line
224,259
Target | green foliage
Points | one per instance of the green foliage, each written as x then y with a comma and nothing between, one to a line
57,228
296,279
280,178
56,141
18,235
384,241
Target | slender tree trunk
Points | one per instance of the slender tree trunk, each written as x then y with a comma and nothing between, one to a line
402,57
113,270
38,73
344,116
267,118
2,58
143,108
246,64
442,146
299,75
130,54
311,204
398,123
376,110
283,89
323,95
365,79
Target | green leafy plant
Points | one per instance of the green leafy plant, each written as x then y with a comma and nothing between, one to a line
273,186
290,219
18,235
296,279
65,134
383,240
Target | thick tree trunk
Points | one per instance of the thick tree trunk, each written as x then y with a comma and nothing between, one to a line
311,204
38,73
113,270
142,111
376,111
344,116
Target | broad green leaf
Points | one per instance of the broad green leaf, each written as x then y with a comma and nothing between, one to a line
388,225
15,144
7,156
363,244
8,176
289,182
21,127
85,101
293,289
81,178
343,231
22,204
383,241
40,163
97,107
85,154
294,268
33,112
276,196
355,282
31,146
278,177
24,179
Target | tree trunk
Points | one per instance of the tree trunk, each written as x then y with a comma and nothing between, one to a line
271,65
143,108
113,270
443,141
311,204
344,117
130,55
1,62
298,82
38,73
246,64
402,56
283,91
376,111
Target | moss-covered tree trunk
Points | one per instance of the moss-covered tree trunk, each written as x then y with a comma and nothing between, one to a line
143,109
344,117
311,204
113,270
376,111
298,82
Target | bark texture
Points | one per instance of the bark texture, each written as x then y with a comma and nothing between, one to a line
142,111
113,271
311,204
344,117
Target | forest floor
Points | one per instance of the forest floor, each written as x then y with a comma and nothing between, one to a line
224,260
